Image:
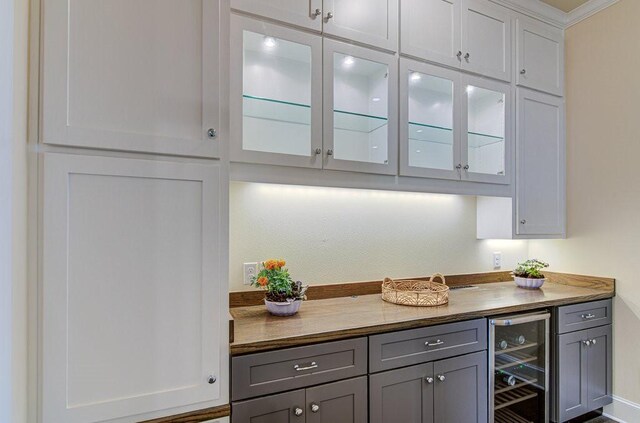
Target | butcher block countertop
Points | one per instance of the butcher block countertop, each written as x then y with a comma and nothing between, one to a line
359,315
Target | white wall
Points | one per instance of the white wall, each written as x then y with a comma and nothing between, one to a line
13,294
333,235
603,183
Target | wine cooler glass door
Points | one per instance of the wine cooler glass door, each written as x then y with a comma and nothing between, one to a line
519,368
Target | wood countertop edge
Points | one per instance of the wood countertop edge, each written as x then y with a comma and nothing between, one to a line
306,339
195,416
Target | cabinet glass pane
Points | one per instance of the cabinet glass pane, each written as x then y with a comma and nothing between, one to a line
486,128
430,121
276,95
360,109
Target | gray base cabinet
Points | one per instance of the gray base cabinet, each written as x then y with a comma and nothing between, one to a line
445,391
583,368
337,402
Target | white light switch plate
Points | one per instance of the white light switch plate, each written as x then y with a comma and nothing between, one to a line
249,271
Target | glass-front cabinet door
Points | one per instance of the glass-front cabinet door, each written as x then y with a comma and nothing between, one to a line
276,94
429,112
486,141
360,109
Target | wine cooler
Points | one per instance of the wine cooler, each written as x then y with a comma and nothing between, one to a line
519,369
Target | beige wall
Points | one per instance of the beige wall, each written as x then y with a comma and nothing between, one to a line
603,181
331,235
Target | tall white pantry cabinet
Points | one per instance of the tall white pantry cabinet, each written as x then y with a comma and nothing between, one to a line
133,226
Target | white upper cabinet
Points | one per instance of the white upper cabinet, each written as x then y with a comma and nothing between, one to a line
134,292
453,126
486,39
486,130
371,22
307,14
430,30
540,56
276,94
429,117
540,184
360,109
135,75
473,35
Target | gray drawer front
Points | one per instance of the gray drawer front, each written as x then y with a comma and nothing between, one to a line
583,316
275,371
399,349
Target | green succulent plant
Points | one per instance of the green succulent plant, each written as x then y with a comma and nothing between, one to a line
530,269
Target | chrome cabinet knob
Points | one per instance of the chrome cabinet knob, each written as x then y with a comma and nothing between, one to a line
298,411
466,167
523,221
428,379
329,15
329,152
317,12
318,151
467,57
212,379
315,408
593,342
459,166
459,55
212,133
441,378
523,71
587,342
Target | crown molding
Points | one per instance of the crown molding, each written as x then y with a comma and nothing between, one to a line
586,10
556,17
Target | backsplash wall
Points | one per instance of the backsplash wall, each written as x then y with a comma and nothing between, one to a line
333,235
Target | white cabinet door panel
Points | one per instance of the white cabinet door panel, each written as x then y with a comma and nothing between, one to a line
540,57
295,12
132,296
372,22
540,164
137,75
486,39
430,30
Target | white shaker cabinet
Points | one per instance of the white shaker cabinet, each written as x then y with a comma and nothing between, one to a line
540,56
473,35
486,39
134,75
370,22
134,292
540,163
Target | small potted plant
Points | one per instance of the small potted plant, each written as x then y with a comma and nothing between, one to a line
528,275
283,296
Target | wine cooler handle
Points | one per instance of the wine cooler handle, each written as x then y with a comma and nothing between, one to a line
520,320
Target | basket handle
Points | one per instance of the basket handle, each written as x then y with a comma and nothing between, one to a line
437,275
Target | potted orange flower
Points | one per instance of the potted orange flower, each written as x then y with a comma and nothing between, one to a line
283,296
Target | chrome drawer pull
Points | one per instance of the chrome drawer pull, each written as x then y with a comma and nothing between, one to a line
428,344
313,365
588,316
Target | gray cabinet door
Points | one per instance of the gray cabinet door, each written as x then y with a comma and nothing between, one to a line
338,402
402,395
460,394
572,375
279,408
599,367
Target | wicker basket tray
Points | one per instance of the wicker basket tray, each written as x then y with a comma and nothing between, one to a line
416,293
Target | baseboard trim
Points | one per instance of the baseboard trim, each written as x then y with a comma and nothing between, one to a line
623,411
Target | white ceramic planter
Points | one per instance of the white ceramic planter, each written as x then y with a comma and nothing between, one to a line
283,309
529,283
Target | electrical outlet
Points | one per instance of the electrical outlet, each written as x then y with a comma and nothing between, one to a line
249,271
497,260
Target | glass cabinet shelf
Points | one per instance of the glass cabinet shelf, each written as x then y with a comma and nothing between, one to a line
297,113
276,110
440,135
358,122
